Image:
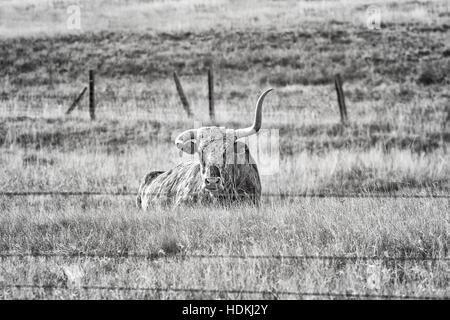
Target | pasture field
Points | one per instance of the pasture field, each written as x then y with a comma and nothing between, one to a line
397,86
363,227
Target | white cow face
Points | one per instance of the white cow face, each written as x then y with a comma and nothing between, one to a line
215,147
213,143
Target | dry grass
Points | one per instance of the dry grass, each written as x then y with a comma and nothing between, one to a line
399,171
397,141
49,17
412,228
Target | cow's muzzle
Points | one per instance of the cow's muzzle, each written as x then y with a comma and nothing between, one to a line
213,184
213,181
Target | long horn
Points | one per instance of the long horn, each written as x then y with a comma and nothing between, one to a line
241,133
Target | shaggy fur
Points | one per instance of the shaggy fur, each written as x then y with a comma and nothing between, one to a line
183,183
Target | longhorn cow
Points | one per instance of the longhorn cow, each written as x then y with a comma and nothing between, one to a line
223,172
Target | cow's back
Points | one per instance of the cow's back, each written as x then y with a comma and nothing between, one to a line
176,185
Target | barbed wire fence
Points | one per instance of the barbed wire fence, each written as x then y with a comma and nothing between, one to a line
70,97
282,195
150,98
273,293
123,107
154,256
265,293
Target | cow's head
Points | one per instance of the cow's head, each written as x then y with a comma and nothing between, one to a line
216,147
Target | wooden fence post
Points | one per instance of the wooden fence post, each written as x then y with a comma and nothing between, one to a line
447,120
212,114
91,95
341,98
183,98
76,101
50,75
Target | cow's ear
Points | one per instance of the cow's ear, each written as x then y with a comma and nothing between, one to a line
242,153
190,147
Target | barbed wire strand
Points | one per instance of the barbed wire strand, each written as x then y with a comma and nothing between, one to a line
230,291
7,97
155,256
281,195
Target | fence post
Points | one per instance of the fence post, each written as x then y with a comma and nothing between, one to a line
91,95
212,115
447,120
75,102
341,98
50,75
183,98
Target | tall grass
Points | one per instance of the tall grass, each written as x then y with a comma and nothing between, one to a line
346,171
412,228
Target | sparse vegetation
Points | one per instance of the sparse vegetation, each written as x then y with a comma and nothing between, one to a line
397,141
